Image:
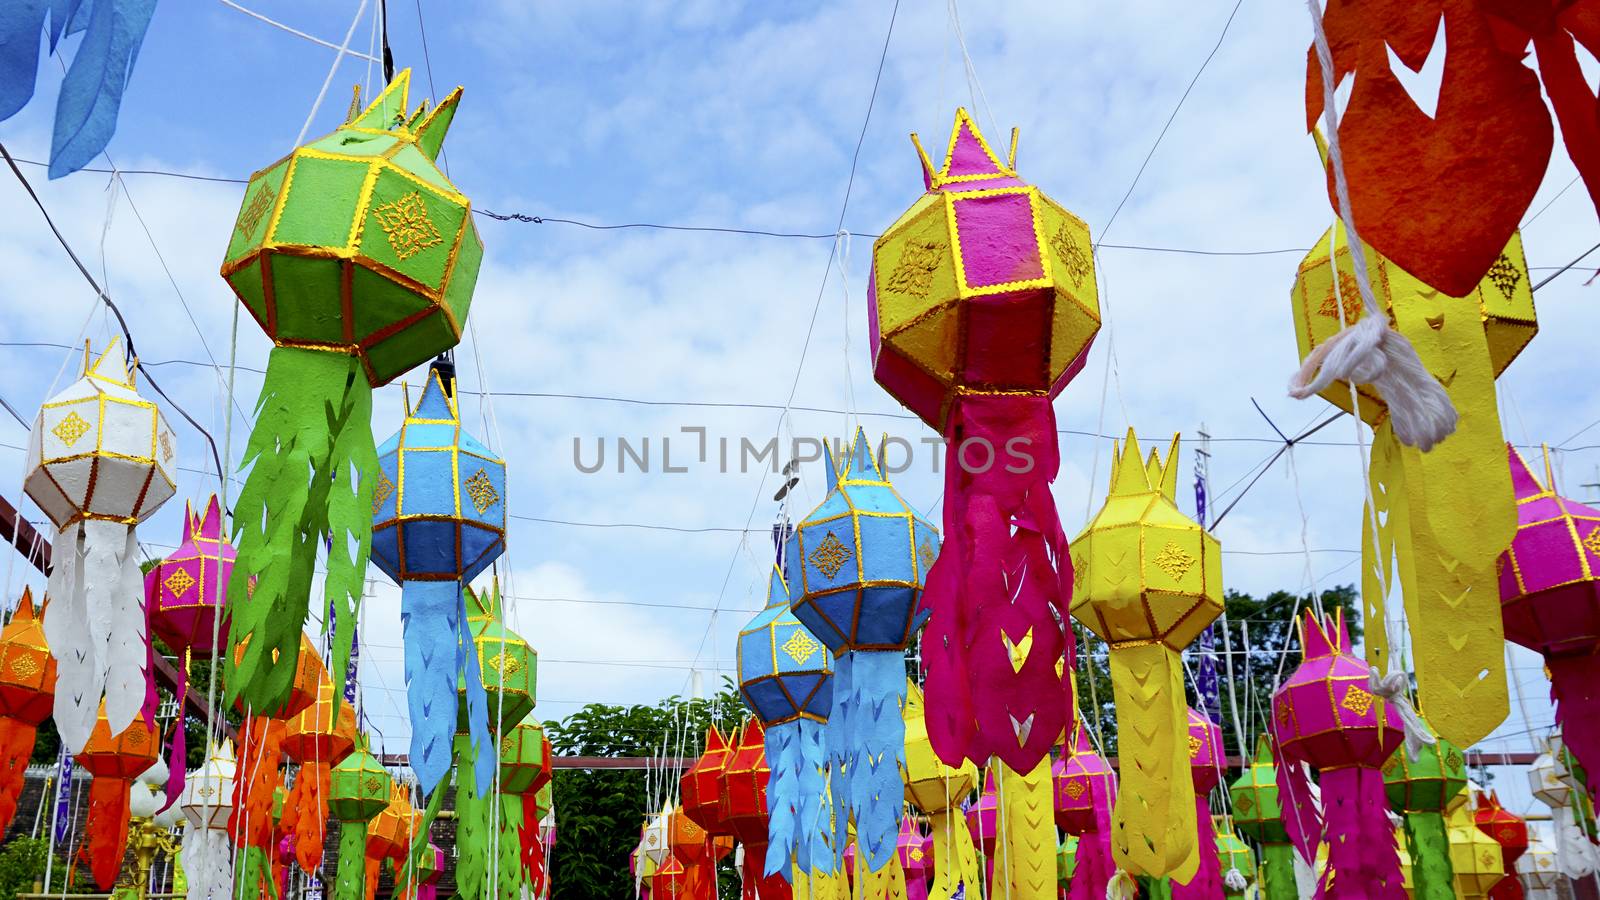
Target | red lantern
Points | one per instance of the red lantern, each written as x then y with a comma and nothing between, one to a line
744,808
317,739
113,761
27,691
701,786
1511,833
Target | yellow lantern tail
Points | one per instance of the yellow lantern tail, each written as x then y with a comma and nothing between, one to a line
1025,855
955,859
1153,828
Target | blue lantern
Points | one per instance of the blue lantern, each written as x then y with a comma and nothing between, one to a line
787,681
861,557
439,519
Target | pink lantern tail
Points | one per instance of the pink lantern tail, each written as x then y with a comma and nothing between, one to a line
1095,865
1575,688
1207,881
1301,818
1361,848
1006,561
178,751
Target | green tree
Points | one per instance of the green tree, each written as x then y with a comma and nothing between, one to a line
1260,633
22,863
599,812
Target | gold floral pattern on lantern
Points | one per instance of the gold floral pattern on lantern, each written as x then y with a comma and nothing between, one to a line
259,204
71,428
1072,256
406,224
800,646
1075,788
914,274
1356,700
482,491
1174,560
381,492
830,555
1592,540
1505,275
24,666
1195,746
178,583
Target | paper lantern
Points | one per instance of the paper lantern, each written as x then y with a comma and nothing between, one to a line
743,793
670,881
207,802
786,679
27,688
939,790
1550,598
184,594
318,738
912,857
656,836
983,818
1148,580
857,564
508,664
1538,868
525,770
1546,778
1475,857
113,759
1206,763
1325,716
701,786
1066,862
982,305
101,459
357,256
1511,833
1085,794
439,519
1448,513
1421,790
1257,814
692,846
1237,859
429,871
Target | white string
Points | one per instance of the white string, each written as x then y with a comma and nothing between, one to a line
842,255
344,49
294,31
1369,352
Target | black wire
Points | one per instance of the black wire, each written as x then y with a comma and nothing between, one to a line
105,298
1288,443
1556,274
388,57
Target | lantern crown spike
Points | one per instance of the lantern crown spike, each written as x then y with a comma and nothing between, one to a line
1128,473
24,611
777,589
1523,481
426,125
1327,636
191,522
862,464
388,108
1263,749
832,466
431,133
437,402
968,156
209,527
111,366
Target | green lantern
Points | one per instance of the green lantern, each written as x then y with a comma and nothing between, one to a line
522,757
1234,855
1421,790
358,789
357,256
1257,813
508,665
1066,861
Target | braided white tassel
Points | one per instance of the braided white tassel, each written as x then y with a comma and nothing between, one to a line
1394,690
1234,880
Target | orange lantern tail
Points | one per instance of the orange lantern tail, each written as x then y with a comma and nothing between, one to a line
106,830
305,814
373,865
16,745
250,824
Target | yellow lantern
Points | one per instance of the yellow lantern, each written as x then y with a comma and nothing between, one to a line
1147,580
1475,857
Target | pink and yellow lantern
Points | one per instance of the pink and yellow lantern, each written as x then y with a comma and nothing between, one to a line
1550,600
1086,792
1206,764
1325,715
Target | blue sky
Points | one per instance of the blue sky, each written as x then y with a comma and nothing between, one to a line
696,113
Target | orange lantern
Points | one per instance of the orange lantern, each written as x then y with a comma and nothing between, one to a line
27,691
317,739
701,786
113,761
309,672
691,845
390,834
1511,833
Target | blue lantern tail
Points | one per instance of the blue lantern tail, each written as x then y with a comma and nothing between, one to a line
841,741
813,852
783,798
877,695
430,613
487,759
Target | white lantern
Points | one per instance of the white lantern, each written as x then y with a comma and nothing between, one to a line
1547,779
144,794
1538,869
100,460
657,838
207,798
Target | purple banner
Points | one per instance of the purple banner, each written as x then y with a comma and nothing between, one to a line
64,798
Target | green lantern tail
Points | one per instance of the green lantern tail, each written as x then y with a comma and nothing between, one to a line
511,876
1277,872
1428,842
312,465
351,881
472,827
